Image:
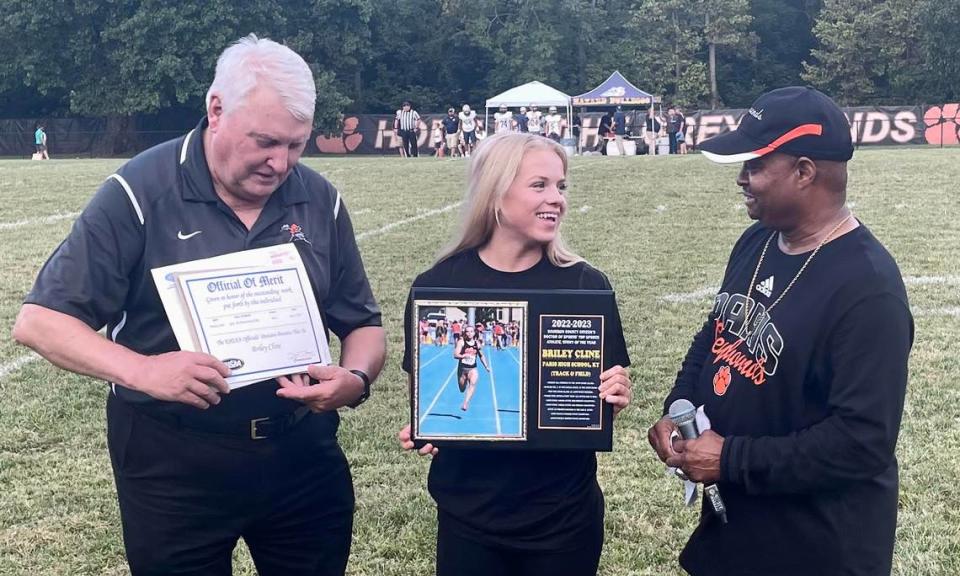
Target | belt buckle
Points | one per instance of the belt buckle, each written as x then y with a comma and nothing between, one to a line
254,435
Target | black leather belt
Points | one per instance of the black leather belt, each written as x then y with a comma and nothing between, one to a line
253,429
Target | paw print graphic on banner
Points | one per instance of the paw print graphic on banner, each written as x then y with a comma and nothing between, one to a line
345,142
943,125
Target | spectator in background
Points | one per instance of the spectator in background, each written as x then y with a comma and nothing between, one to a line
673,127
40,139
651,131
503,121
407,124
451,131
468,129
575,129
554,125
620,129
603,132
438,141
682,132
521,120
535,120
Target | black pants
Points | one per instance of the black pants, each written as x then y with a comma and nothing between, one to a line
409,138
458,555
673,142
186,497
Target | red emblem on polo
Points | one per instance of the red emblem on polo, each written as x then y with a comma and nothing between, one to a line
296,233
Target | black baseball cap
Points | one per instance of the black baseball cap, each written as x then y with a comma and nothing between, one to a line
797,120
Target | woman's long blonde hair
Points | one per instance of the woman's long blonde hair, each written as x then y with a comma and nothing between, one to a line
493,168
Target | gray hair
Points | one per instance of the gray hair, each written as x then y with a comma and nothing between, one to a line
250,62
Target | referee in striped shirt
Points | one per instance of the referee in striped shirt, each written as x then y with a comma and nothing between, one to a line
406,125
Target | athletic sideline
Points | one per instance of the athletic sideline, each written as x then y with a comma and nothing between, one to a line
392,225
17,363
704,293
41,220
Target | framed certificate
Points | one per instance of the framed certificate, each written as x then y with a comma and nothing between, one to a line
254,310
515,369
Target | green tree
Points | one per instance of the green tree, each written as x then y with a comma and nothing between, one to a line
127,57
334,36
870,51
666,40
726,25
678,44
939,21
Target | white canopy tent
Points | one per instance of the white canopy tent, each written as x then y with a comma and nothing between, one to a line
530,94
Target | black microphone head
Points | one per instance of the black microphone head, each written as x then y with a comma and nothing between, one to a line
682,411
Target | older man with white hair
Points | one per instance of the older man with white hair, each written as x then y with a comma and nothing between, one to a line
198,466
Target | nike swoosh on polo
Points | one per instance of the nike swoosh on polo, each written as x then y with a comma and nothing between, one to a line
183,236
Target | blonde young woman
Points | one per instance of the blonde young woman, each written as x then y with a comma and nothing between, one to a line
504,512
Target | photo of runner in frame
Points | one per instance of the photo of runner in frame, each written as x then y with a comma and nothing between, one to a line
470,370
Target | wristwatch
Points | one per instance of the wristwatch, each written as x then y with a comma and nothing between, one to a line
366,388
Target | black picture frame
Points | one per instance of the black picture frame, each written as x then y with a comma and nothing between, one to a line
538,394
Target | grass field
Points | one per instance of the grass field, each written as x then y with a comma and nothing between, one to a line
661,228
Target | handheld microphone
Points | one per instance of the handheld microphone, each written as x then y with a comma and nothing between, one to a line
684,414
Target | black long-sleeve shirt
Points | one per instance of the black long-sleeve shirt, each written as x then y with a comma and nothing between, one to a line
809,402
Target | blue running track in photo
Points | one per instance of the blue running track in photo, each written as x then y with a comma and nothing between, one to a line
495,407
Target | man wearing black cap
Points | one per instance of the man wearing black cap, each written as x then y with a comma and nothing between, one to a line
801,366
451,131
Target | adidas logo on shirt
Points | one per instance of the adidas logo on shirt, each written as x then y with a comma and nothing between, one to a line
766,287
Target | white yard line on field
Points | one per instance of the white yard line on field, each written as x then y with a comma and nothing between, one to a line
704,293
683,297
953,311
392,225
928,280
361,236
17,363
35,221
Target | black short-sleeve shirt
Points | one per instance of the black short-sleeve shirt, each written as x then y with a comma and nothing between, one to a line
543,500
160,208
451,124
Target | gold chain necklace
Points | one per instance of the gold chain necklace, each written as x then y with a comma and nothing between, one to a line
753,281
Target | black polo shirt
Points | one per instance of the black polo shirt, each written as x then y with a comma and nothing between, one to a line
160,208
451,124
